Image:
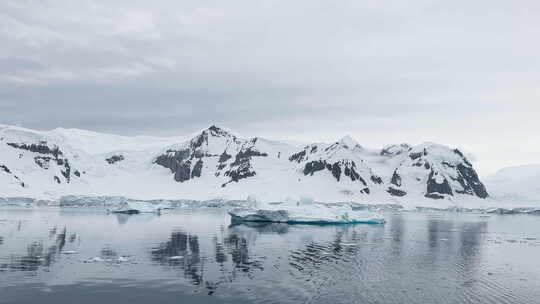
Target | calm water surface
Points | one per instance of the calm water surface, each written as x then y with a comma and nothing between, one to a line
50,255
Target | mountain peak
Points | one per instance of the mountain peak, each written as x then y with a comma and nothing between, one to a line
349,142
217,131
395,149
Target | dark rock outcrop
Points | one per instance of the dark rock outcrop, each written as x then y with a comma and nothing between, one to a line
433,187
396,192
299,156
114,159
5,169
188,162
47,154
468,179
314,166
376,179
241,167
434,196
179,162
337,169
196,172
445,172
41,148
396,179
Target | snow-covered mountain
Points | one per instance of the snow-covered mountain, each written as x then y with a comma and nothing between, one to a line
520,183
215,163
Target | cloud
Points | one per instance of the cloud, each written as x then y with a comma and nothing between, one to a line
458,73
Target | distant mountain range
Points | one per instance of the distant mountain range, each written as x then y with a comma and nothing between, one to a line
215,163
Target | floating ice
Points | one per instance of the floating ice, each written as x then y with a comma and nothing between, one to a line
306,213
97,259
134,207
123,259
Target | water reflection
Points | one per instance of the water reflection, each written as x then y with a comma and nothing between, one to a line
108,253
36,254
183,251
264,227
238,249
123,218
315,255
231,254
413,258
72,237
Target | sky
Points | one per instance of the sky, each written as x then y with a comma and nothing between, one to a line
460,73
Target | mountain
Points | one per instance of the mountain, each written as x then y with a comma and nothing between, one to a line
520,183
343,159
434,171
215,163
216,152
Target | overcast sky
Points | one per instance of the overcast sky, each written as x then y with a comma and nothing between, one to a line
461,73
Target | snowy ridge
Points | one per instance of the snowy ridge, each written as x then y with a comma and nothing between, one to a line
445,172
216,164
520,183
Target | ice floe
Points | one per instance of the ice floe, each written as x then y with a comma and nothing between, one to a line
308,213
134,207
97,259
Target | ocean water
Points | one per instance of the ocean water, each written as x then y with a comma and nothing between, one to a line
53,255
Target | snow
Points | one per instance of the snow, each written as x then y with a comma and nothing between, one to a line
349,143
393,149
277,179
307,214
520,184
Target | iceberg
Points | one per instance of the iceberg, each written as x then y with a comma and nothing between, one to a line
305,214
135,207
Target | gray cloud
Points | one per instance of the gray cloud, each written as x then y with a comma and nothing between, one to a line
461,73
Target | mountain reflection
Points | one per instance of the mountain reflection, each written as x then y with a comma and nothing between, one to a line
264,227
230,256
237,247
37,255
123,218
108,253
318,254
182,251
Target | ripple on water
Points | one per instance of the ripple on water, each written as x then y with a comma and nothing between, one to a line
414,258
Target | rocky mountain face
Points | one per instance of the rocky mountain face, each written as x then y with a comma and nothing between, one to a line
24,155
342,159
214,151
218,157
436,170
431,170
